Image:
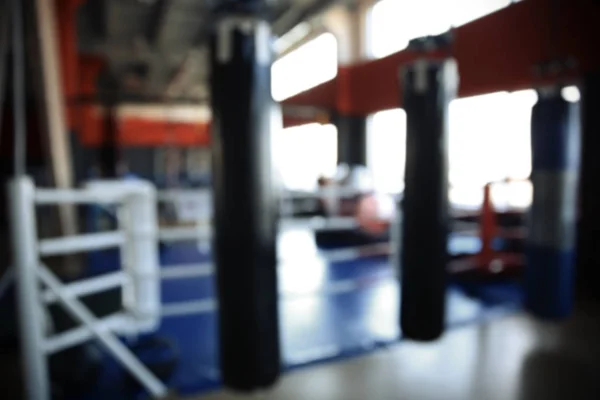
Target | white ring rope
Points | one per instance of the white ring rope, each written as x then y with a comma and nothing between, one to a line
339,192
202,231
174,195
319,223
356,252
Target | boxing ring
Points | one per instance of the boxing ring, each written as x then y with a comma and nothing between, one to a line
333,303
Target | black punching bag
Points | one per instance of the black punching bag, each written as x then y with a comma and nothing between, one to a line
588,249
245,219
429,86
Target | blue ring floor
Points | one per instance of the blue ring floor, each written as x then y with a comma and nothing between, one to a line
314,327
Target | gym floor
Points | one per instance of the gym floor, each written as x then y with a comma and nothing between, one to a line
512,357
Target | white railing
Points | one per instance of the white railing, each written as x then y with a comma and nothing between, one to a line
72,196
137,237
85,287
80,243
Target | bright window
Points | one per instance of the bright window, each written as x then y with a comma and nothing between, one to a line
489,140
392,23
494,131
386,150
310,65
489,135
303,153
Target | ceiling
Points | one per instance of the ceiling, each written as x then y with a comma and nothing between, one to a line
157,49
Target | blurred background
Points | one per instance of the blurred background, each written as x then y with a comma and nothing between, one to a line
119,115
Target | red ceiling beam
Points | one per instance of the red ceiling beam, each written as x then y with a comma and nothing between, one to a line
148,133
323,96
131,131
134,131
497,52
79,76
162,133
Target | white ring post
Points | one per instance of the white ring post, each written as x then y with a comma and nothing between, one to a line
141,295
25,256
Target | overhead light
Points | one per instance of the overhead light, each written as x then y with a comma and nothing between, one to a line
571,94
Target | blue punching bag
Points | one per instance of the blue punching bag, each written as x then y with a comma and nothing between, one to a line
555,145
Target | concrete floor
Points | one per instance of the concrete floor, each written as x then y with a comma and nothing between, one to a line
508,358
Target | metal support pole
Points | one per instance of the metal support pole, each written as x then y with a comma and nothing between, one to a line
24,249
54,118
18,81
